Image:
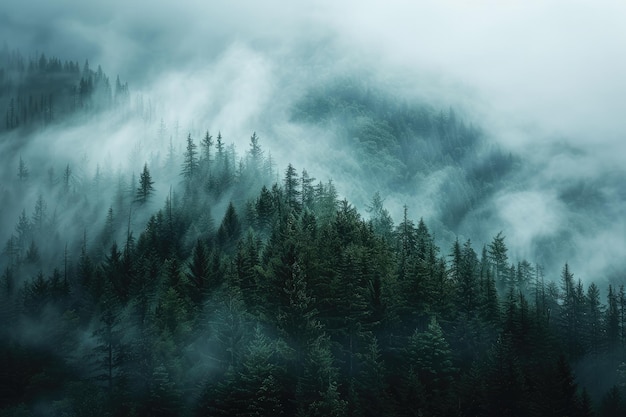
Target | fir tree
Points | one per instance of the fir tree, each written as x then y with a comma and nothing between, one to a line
145,189
190,160
22,170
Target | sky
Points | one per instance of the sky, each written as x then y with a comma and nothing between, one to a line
539,76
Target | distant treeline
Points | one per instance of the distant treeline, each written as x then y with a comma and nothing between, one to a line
34,92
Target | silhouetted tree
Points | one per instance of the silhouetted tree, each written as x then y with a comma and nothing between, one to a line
145,189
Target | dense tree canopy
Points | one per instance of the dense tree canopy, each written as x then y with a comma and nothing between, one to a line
244,294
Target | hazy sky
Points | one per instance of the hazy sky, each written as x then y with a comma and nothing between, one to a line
557,64
535,74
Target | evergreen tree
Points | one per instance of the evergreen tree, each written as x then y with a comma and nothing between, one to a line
592,325
292,191
468,279
40,215
261,377
317,393
612,319
145,189
499,261
229,231
22,170
23,229
504,381
431,357
256,154
265,210
67,178
380,218
308,191
206,143
190,160
198,273
371,385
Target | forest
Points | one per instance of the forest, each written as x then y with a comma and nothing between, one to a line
244,288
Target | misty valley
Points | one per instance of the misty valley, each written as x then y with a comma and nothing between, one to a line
379,264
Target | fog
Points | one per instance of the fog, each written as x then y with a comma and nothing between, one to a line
544,80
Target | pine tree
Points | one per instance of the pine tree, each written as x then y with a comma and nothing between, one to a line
380,218
229,231
265,210
256,154
67,178
206,143
499,261
371,384
22,170
468,279
260,388
592,326
145,189
317,393
308,191
292,191
504,381
571,310
190,160
621,301
40,214
198,273
109,353
612,319
24,232
406,247
432,358
165,398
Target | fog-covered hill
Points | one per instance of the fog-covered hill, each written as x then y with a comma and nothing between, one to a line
335,209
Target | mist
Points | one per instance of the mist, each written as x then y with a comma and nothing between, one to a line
542,81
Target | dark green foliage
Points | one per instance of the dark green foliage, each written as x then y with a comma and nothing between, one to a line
292,190
229,230
612,404
41,90
145,189
198,274
499,262
190,160
612,319
294,304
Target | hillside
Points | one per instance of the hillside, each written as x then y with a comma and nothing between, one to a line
206,281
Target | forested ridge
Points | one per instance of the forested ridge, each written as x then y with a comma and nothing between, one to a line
36,91
241,294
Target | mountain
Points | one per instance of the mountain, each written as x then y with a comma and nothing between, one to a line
173,275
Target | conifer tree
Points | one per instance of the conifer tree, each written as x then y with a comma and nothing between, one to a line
612,319
256,154
229,231
317,391
592,326
198,273
432,358
22,170
499,261
40,214
190,160
145,189
380,218
292,191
